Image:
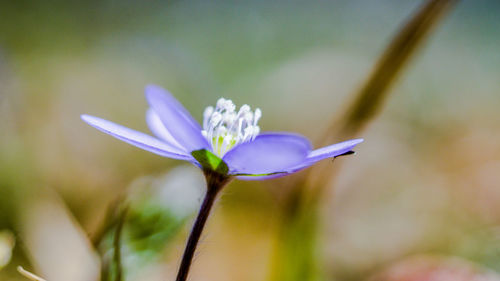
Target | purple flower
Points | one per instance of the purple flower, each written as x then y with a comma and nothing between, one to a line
230,142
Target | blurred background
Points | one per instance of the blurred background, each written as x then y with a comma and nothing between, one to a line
420,197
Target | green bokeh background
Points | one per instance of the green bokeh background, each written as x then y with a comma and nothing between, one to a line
426,180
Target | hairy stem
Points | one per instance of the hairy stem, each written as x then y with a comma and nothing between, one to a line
215,182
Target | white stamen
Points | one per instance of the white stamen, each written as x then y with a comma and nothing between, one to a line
256,117
206,115
256,132
224,128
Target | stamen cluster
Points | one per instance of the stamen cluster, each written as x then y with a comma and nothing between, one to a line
224,128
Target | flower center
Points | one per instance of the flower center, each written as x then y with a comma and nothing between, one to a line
224,128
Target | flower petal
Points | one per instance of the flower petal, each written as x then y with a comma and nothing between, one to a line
268,153
333,150
159,130
313,157
330,151
261,178
181,125
136,138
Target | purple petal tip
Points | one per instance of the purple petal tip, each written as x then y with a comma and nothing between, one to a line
152,90
357,141
86,118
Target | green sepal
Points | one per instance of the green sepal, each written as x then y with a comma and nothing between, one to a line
210,161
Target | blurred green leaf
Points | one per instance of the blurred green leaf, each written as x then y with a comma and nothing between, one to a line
150,228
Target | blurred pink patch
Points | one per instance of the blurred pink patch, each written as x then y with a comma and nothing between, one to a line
433,268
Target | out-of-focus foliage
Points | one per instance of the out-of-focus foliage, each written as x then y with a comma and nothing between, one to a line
51,237
158,208
425,180
434,268
7,243
296,252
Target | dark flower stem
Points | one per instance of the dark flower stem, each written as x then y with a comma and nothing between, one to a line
215,182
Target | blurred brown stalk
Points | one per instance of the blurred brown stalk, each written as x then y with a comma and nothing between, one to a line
296,249
369,100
